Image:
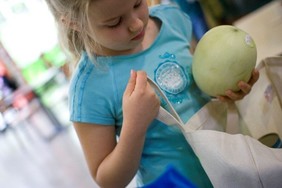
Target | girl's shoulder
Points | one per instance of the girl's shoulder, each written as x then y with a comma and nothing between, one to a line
88,73
164,7
173,18
168,11
92,95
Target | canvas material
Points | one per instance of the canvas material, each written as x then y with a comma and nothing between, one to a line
261,109
238,160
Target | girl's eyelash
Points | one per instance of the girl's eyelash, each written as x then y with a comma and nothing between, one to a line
120,20
138,4
117,24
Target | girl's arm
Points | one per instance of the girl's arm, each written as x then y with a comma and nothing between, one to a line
112,163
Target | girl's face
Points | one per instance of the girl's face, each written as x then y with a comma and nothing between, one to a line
118,25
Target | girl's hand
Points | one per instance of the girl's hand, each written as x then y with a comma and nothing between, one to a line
140,102
245,89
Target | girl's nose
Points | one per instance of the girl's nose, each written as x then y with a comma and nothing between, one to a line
135,25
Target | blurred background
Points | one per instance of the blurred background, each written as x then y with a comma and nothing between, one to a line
38,146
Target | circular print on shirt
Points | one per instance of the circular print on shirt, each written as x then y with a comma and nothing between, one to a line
170,77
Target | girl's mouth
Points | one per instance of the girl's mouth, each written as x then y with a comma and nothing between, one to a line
139,36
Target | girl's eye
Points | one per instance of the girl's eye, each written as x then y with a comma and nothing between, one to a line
115,24
138,4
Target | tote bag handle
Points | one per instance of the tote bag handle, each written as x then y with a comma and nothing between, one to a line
172,117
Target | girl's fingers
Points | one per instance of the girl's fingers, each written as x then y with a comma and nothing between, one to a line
254,78
131,83
141,81
231,96
244,87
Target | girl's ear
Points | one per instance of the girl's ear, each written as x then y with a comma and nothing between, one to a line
69,23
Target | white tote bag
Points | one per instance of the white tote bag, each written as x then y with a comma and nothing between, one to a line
261,110
226,137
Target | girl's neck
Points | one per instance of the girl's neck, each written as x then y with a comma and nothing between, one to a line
152,32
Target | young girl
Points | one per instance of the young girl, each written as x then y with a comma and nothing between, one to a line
117,44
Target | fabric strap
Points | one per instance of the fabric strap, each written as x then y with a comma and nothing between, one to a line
172,117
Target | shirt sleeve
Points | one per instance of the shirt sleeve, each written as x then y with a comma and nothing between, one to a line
89,100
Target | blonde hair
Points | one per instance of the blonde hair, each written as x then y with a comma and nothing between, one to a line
72,21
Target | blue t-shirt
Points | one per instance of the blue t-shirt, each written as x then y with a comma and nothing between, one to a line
96,95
